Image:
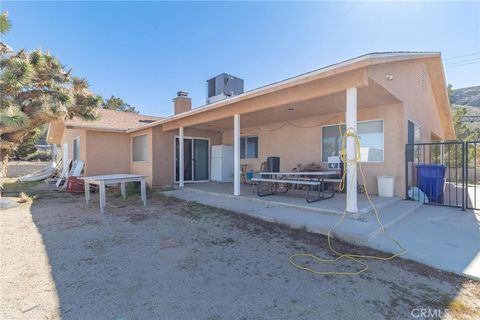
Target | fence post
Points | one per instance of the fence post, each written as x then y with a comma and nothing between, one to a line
406,171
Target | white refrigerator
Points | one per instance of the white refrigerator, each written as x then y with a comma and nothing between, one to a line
222,163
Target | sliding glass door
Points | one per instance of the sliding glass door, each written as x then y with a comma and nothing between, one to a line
200,159
195,157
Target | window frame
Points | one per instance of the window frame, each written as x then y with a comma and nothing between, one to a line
193,172
146,147
245,147
343,123
79,148
416,149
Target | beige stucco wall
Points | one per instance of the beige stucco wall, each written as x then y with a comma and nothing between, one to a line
107,153
68,136
102,152
412,85
304,145
163,151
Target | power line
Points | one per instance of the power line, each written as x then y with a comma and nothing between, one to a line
462,61
463,64
465,55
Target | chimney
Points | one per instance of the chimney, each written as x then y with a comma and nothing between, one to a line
182,102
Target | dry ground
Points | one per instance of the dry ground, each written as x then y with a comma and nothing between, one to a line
180,260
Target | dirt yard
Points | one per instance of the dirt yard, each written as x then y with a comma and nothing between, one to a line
179,260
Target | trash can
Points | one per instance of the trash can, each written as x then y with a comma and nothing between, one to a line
75,184
431,180
386,186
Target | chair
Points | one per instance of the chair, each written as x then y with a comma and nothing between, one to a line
336,164
263,166
243,174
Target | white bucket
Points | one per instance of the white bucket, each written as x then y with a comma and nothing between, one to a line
386,186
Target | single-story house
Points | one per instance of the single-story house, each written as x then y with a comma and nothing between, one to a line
101,144
397,98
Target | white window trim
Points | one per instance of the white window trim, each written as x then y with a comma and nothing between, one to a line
363,121
79,148
131,149
246,138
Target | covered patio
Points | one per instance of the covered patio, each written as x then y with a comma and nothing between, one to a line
287,121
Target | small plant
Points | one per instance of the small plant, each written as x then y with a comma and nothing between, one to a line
25,198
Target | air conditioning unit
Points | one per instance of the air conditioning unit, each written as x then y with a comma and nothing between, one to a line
222,87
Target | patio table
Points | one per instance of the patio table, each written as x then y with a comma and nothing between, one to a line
309,179
102,181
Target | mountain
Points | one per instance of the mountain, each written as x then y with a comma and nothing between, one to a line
466,96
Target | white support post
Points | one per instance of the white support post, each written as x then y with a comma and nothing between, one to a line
351,123
181,162
65,155
236,155
123,190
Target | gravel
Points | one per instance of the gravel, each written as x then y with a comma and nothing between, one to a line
181,260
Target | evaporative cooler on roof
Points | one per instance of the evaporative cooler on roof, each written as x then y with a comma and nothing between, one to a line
223,86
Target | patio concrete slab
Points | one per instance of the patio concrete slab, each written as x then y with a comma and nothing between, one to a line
358,231
294,199
445,238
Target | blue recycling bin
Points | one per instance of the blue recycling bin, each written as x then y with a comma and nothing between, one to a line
431,180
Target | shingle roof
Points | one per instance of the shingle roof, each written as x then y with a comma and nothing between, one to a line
114,120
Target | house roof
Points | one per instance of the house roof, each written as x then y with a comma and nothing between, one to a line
108,121
330,70
112,120
128,122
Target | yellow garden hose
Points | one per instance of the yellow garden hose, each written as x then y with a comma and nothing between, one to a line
354,257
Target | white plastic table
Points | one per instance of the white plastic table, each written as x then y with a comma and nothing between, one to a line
102,181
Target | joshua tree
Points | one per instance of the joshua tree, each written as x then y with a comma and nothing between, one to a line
35,89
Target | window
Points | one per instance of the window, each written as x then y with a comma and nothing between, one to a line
139,148
248,147
371,140
331,141
416,133
413,136
76,148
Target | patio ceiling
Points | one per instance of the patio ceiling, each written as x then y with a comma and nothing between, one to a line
369,96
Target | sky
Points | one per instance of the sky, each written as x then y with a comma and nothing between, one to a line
144,52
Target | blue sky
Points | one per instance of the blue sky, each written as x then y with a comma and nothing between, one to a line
144,52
